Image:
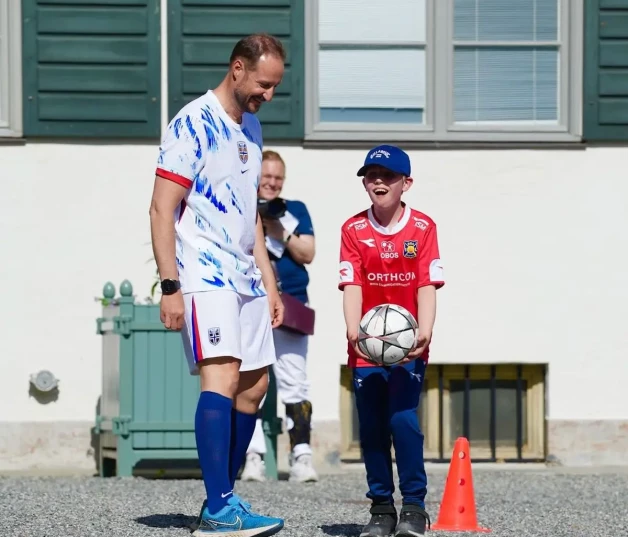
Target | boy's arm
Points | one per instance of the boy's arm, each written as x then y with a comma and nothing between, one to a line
352,307
430,279
427,316
351,285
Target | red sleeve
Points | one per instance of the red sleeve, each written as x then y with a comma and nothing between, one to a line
430,264
350,259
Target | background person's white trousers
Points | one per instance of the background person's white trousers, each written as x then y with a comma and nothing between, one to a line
292,384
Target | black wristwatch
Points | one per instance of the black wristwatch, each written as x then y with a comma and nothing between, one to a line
170,287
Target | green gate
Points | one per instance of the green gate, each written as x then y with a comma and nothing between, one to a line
148,398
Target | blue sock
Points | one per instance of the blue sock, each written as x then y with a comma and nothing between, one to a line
213,436
242,428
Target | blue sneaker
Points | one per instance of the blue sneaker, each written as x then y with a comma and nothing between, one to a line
194,525
237,520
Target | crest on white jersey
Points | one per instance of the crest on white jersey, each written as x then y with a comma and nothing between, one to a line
243,152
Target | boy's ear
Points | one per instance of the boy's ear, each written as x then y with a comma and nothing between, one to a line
407,183
364,182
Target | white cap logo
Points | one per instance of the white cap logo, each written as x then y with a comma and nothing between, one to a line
380,153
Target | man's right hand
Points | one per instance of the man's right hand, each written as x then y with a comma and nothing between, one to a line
172,311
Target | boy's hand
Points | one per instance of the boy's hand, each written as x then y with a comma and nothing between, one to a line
423,340
353,340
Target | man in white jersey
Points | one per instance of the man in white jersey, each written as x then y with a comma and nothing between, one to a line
218,286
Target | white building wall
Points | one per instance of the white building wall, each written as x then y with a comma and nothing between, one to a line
534,244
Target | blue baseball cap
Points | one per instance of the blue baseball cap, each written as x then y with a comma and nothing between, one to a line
387,156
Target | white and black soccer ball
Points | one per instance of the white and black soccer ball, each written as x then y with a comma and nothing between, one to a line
387,334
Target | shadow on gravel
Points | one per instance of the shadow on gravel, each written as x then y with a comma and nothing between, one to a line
342,530
166,521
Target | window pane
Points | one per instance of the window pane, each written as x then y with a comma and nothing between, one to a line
500,84
480,412
506,20
368,21
372,85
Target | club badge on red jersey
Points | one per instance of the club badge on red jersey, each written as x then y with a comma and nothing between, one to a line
410,249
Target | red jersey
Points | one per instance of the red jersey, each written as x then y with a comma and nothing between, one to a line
390,266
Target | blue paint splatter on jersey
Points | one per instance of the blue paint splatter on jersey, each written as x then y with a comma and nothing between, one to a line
228,239
177,128
160,160
238,267
200,182
208,118
211,129
212,145
179,263
234,199
207,258
226,133
216,282
255,287
201,223
214,200
198,152
232,285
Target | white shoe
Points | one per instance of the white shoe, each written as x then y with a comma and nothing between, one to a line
302,471
254,468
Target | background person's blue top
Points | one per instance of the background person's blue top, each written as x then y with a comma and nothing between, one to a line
293,276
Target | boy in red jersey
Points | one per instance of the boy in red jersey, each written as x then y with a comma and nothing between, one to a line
389,255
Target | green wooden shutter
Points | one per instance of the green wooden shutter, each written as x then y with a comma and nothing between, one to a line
606,70
202,34
91,68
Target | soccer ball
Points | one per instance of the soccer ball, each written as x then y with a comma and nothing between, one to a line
387,334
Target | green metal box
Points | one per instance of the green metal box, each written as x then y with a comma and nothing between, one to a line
148,399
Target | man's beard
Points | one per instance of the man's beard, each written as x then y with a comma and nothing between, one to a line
241,100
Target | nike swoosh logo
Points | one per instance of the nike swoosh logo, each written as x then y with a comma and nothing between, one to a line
214,524
244,171
225,495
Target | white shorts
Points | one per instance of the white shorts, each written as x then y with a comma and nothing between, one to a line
225,323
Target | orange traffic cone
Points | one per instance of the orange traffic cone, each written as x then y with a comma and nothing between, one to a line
457,510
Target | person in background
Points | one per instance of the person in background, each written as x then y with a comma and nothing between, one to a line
290,243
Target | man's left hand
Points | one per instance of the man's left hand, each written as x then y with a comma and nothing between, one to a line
423,340
276,309
273,228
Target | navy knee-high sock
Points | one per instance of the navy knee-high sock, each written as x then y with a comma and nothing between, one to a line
213,436
242,428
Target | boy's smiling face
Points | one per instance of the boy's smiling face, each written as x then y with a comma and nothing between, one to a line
384,186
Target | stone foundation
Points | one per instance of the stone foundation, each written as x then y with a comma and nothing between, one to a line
68,446
47,446
588,442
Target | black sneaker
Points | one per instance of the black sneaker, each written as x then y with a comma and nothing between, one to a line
412,521
382,523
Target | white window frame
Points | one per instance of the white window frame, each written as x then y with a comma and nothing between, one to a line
10,69
439,125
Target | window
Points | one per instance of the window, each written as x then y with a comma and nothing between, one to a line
10,69
499,408
448,70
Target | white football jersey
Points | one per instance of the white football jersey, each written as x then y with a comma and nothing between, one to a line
220,163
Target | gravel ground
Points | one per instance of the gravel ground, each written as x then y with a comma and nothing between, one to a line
540,502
